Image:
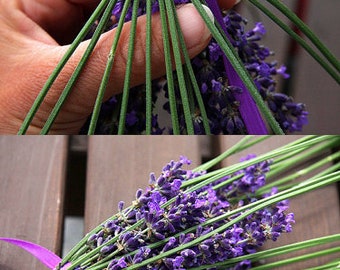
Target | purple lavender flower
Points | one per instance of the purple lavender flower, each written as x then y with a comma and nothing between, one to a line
219,97
186,210
221,105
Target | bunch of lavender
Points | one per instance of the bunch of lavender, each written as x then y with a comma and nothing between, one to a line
229,88
179,222
210,219
168,215
219,96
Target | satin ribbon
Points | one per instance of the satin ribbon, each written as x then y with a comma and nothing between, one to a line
44,255
249,111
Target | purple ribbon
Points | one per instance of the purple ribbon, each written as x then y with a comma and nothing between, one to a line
44,255
249,112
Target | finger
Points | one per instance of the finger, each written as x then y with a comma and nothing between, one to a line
196,36
62,19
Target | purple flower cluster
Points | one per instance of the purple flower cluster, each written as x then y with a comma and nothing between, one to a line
135,118
190,210
219,97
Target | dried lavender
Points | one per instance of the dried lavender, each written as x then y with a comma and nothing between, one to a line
218,95
185,218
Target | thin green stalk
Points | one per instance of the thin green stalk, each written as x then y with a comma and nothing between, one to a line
241,145
280,151
107,72
237,64
169,74
255,140
331,169
43,92
227,153
307,31
303,172
130,58
148,69
179,68
67,90
295,158
265,254
192,77
303,139
332,265
296,37
279,161
298,258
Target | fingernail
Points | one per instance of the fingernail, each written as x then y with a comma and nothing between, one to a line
209,12
193,26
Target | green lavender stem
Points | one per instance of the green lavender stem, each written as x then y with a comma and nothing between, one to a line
107,72
126,88
298,258
168,65
285,27
192,78
148,69
179,68
261,255
307,31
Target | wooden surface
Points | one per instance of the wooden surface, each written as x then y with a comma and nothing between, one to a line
31,196
33,175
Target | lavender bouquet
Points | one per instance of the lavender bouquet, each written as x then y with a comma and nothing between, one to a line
208,218
229,88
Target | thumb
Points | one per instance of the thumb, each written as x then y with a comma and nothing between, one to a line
196,35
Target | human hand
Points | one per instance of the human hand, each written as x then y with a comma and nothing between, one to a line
34,35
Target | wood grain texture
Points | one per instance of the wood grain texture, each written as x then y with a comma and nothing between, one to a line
31,196
118,166
315,215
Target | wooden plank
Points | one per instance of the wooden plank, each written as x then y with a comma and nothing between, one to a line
118,166
317,213
31,196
